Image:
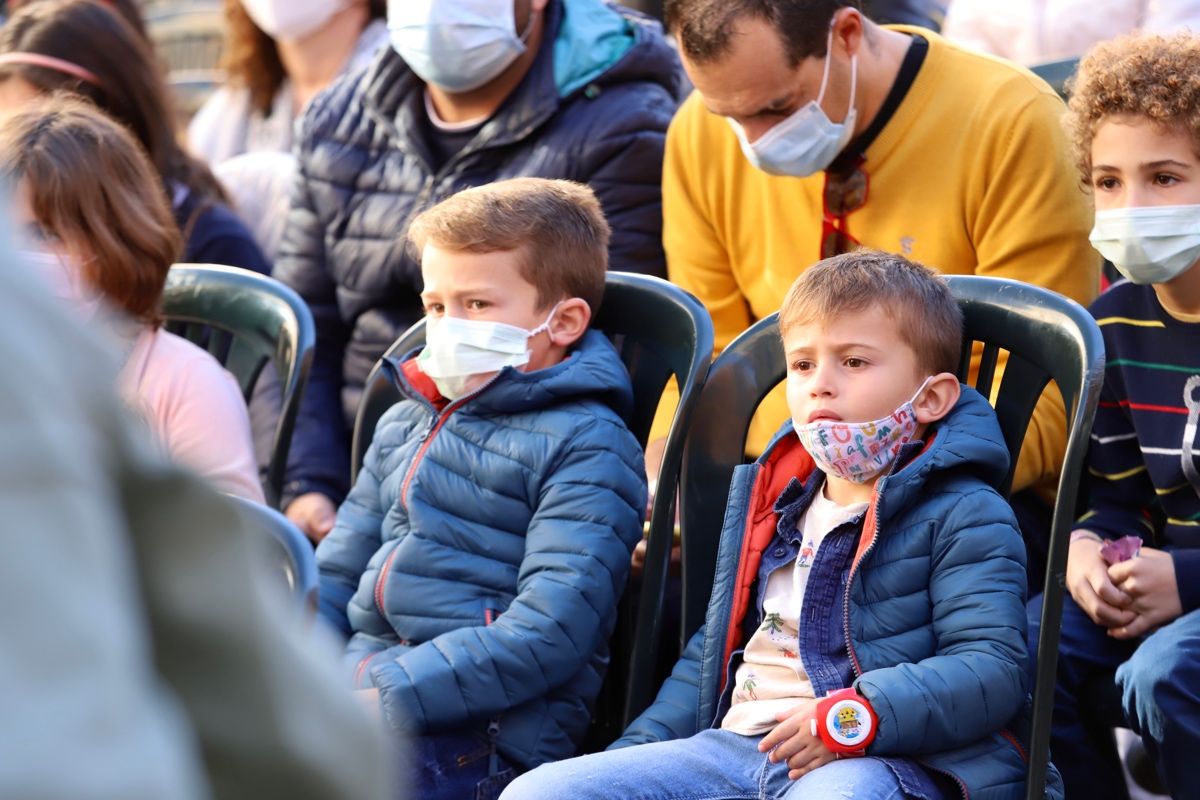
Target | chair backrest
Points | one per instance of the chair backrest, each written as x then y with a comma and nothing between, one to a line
1056,73
290,550
1047,337
662,333
245,320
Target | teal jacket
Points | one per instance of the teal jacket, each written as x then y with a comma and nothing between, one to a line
932,610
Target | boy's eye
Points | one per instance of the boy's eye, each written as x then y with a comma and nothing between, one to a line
435,309
855,363
477,305
1162,179
801,365
1107,184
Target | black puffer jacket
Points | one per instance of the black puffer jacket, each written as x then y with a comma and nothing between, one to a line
365,173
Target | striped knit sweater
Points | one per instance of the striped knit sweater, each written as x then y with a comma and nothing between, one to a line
1141,481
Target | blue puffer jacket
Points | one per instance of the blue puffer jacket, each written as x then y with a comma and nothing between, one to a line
931,613
478,560
593,108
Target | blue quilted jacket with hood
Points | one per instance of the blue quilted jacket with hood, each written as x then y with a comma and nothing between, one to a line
477,562
922,609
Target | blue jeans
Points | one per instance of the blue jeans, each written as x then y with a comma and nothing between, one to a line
712,765
1159,681
453,766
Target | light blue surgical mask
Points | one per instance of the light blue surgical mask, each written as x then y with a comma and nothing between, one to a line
456,45
1149,244
807,141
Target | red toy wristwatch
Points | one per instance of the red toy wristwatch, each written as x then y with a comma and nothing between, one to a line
845,722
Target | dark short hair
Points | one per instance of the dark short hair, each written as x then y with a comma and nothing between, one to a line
556,225
927,316
704,26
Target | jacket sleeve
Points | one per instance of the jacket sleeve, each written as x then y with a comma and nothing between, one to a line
977,681
577,551
1032,224
319,459
343,555
624,162
672,715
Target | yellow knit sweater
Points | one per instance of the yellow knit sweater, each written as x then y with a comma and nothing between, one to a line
970,175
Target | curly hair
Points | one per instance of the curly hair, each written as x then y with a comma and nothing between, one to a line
1153,77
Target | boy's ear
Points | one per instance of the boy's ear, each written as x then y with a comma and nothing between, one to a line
570,322
940,395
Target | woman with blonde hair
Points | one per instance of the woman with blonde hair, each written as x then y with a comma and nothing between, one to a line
95,221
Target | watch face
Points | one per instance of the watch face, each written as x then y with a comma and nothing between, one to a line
848,723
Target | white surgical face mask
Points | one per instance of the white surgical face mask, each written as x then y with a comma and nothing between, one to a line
291,19
65,281
457,45
1149,244
808,141
458,351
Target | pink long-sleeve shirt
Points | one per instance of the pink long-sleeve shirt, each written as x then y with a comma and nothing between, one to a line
195,408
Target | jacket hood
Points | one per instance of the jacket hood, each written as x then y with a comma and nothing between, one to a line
586,48
967,440
602,43
591,371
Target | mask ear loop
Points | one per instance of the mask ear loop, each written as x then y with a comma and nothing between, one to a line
825,73
545,326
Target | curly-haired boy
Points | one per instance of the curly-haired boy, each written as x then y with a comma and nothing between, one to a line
1135,608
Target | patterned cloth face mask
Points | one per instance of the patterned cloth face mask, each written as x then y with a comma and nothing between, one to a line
858,451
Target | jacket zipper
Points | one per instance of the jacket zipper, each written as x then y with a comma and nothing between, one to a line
432,432
962,787
873,514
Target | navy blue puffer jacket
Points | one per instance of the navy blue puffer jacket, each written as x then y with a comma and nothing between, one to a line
593,108
932,610
478,560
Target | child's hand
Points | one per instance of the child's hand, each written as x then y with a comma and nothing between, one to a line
313,513
1150,581
1089,583
793,741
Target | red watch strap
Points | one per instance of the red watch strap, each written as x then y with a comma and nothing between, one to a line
845,722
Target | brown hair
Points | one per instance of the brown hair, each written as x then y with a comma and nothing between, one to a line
131,88
251,58
705,27
926,314
557,224
91,186
1153,77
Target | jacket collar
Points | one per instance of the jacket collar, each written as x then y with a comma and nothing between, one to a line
394,96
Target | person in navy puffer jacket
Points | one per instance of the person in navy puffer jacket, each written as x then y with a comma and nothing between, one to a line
471,91
870,584
477,563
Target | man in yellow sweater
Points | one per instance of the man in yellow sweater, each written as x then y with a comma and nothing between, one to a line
813,130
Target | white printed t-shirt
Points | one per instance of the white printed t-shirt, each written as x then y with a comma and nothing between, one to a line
771,677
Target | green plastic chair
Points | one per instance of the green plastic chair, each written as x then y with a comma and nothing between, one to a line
661,332
1048,338
290,550
1056,73
245,320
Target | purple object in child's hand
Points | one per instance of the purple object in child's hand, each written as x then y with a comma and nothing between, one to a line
1114,551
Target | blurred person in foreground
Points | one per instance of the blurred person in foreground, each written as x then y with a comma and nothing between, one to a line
146,653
